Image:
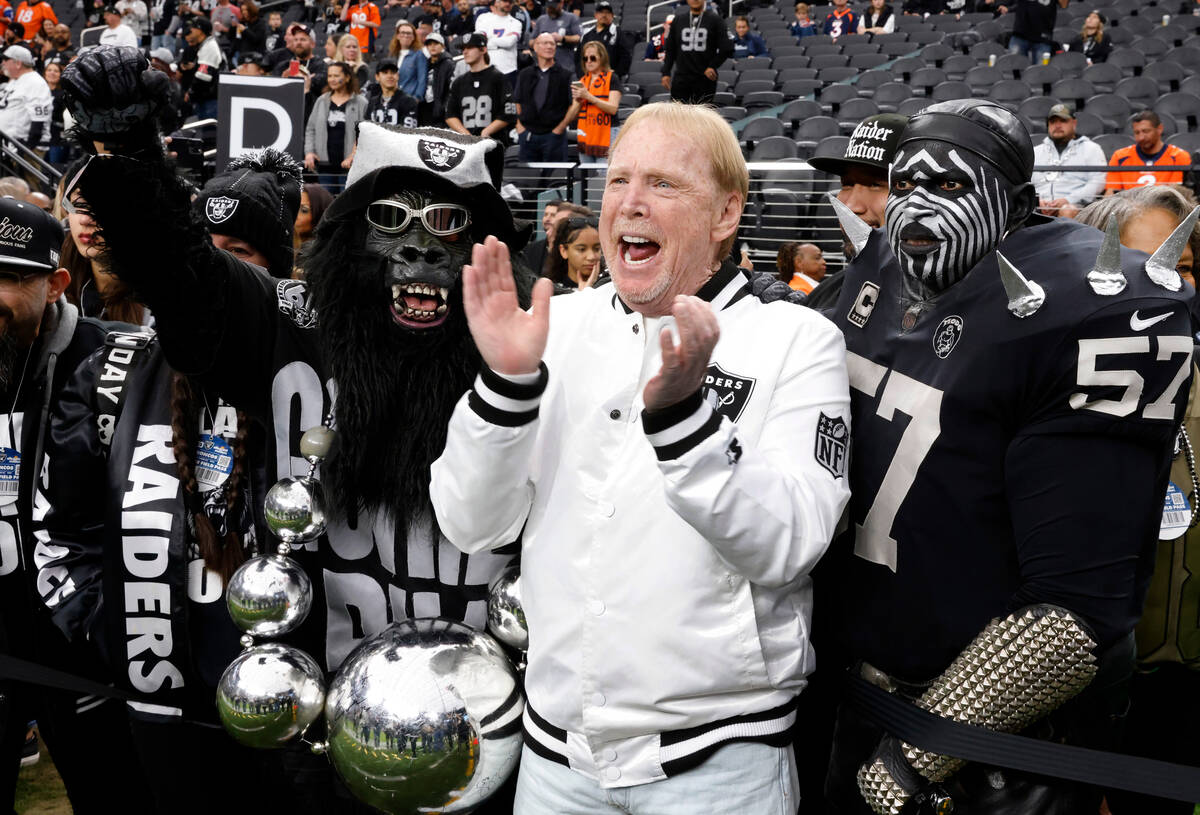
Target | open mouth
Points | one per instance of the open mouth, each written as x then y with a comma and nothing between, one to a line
419,305
636,250
918,240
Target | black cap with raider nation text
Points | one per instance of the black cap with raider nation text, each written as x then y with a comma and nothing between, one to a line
29,236
871,145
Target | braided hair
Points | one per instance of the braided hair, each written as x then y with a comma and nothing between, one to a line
222,555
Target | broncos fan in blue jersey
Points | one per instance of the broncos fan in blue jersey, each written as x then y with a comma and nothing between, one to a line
1015,396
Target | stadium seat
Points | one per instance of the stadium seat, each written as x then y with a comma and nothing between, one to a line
912,106
1191,85
957,65
992,30
1168,75
1035,108
832,97
1089,124
853,111
1169,125
920,38
1104,76
1186,141
755,64
757,75
1137,25
774,148
1173,35
1113,110
798,111
809,132
977,17
1069,63
1141,91
936,54
758,129
823,49
897,48
926,79
828,75
853,49
1152,47
791,63
1130,61
724,99
905,67
1010,93
1119,36
1041,77
633,100
727,75
661,97
889,96
868,81
829,61
865,62
1011,65
1074,92
761,100
731,113
982,50
947,24
795,88
983,80
818,39
946,91
1187,56
1112,142
895,36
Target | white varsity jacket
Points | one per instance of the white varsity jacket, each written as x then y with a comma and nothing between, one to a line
665,556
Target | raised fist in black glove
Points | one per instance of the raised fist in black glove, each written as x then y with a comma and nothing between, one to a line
114,97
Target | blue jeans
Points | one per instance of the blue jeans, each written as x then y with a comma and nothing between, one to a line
543,146
1036,51
739,779
206,109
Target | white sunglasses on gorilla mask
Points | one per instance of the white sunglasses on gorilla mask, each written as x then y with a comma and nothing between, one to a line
393,217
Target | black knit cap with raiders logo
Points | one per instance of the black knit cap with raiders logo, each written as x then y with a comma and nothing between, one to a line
871,145
30,238
256,200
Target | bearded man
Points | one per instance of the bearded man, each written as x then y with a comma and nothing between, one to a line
375,344
1015,396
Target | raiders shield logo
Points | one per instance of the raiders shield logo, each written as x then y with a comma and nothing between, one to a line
293,299
220,209
727,393
833,444
948,333
439,156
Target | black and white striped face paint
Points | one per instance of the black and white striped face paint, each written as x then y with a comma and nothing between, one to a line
946,209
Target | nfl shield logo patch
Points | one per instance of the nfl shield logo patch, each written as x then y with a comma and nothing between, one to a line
833,444
220,209
727,393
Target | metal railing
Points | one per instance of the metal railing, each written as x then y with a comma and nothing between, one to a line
23,158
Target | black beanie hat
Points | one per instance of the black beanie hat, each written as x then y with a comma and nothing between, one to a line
256,200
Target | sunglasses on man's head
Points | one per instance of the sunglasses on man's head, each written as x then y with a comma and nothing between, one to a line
394,217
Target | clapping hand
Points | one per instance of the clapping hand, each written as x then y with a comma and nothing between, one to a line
510,340
684,364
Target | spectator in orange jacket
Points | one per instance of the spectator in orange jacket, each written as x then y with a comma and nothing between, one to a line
1148,148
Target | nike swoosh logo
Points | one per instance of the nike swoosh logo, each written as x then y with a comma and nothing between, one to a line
1138,324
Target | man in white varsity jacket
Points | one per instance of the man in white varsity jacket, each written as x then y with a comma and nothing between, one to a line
676,453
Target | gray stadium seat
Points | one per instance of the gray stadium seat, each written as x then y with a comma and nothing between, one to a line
757,74
829,61
791,63
798,111
1089,124
1191,85
1141,91
1010,93
1168,75
865,62
905,67
936,54
1139,26
773,148
760,100
983,80
868,81
1036,107
1104,76
1186,141
895,36
854,111
924,37
982,50
746,86
758,129
1112,142
828,75
1187,56
1073,91
1183,107
731,113
812,130
1011,65
1041,77
889,96
1119,36
1152,47
822,49
1069,63
832,96
956,66
913,106
926,79
945,91
1128,60
793,88
1113,110
853,49
898,48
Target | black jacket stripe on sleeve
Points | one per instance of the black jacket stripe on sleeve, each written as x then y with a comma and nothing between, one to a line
504,402
678,428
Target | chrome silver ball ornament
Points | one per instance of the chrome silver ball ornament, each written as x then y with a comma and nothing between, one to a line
425,717
270,694
295,509
506,616
269,596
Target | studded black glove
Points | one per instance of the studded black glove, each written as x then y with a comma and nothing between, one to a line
114,96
